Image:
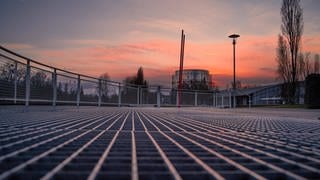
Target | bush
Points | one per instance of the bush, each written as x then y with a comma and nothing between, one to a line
312,89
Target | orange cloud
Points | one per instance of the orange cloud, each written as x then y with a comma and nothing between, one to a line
311,44
255,58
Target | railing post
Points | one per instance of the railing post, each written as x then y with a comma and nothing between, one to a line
54,87
15,82
78,90
222,99
216,97
177,98
230,100
235,99
196,98
158,96
141,95
267,96
217,100
138,95
213,99
99,92
27,83
119,96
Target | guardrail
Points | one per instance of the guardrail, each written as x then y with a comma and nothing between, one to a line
26,81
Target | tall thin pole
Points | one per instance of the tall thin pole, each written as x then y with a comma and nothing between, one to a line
78,90
100,91
15,82
181,67
234,72
234,37
27,83
158,96
54,87
119,96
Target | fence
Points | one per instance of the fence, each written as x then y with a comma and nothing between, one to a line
26,81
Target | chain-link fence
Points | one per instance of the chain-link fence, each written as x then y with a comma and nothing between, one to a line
25,81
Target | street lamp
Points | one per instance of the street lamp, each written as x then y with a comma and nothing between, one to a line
234,38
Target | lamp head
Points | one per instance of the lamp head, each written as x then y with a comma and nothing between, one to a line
234,36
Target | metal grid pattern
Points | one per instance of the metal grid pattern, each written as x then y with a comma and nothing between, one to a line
146,143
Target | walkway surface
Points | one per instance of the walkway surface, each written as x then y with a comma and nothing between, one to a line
165,143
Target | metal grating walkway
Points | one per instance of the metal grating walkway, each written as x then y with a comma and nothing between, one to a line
146,143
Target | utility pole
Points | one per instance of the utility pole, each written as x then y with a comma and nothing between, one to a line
181,67
234,38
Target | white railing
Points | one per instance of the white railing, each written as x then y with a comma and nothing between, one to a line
26,81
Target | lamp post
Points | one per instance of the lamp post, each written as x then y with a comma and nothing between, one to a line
234,38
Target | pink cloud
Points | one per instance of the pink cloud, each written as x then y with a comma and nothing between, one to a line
19,46
311,44
255,58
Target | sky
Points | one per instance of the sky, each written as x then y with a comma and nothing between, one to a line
118,36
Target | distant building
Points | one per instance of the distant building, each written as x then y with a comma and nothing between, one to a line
269,95
195,79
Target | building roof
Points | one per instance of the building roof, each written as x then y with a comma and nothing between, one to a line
247,91
194,70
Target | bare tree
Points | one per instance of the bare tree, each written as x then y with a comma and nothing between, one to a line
238,84
304,65
292,29
8,72
137,79
284,65
38,79
104,84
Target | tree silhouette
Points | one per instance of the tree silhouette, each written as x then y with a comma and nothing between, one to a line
7,72
291,29
38,80
104,84
66,88
316,64
138,79
304,65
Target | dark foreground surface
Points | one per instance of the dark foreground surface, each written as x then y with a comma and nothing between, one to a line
166,143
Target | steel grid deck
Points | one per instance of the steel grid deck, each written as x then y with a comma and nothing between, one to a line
146,143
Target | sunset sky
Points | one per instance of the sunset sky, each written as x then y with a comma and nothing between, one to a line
118,36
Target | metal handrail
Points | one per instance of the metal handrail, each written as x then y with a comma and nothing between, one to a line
31,64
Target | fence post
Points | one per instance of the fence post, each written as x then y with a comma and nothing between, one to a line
177,98
222,99
138,95
119,96
217,100
141,95
78,91
213,99
235,99
54,87
196,98
99,93
230,100
15,82
158,97
28,83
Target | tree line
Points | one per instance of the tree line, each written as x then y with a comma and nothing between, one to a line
41,84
